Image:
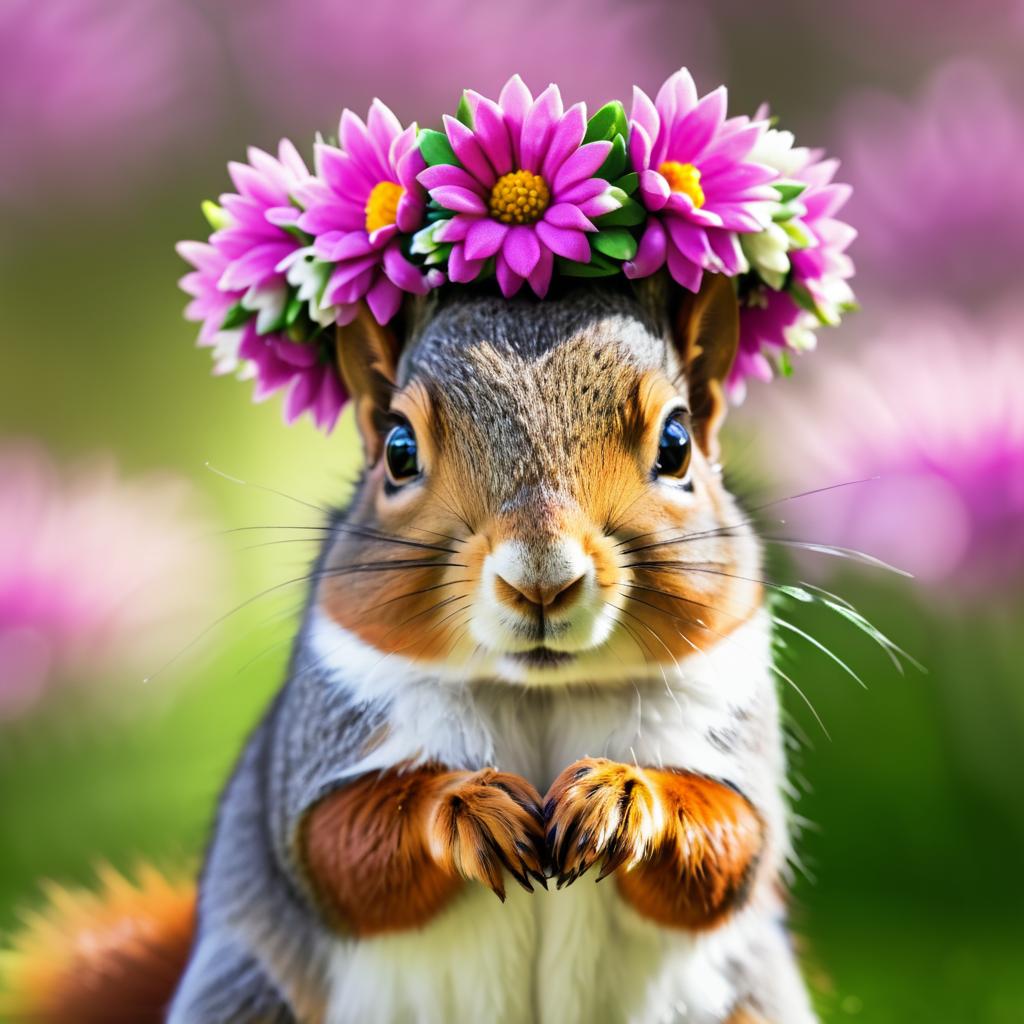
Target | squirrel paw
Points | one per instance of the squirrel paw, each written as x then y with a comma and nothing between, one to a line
600,810
487,820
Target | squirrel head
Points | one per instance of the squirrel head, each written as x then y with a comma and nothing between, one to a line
541,501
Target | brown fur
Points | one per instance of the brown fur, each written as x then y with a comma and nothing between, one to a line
744,1016
684,847
113,956
390,851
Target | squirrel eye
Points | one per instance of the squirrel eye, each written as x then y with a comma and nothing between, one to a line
400,454
674,447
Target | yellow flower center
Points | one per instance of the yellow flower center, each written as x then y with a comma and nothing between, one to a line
382,205
519,197
683,178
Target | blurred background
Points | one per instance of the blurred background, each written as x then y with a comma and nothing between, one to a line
152,520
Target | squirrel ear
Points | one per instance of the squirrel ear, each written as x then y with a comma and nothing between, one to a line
707,329
368,361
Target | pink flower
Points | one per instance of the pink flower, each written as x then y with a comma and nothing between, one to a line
259,230
771,321
306,369
525,191
93,94
210,304
929,413
366,195
102,579
696,180
939,194
241,294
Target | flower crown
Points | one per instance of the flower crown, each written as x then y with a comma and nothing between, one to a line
517,189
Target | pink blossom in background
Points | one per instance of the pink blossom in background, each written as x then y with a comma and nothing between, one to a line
933,406
938,187
102,578
92,89
426,54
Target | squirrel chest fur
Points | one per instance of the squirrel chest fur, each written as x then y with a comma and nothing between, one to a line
534,658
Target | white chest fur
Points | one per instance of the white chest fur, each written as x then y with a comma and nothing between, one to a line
580,954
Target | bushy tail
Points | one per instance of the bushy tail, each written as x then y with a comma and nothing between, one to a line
109,956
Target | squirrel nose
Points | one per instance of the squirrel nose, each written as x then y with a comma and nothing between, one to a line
540,579
547,597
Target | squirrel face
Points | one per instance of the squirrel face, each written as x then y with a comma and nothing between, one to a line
540,502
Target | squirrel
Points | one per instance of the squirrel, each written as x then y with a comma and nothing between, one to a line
534,656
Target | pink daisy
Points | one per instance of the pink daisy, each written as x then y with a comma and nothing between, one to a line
258,233
306,369
526,189
364,196
773,321
696,181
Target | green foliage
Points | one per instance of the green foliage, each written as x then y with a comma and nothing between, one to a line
436,148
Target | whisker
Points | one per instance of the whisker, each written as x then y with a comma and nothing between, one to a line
821,647
782,675
267,490
747,521
838,551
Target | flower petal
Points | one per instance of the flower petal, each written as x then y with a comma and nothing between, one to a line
484,238
540,279
454,197
684,271
492,131
521,249
567,215
448,174
538,128
515,101
460,269
384,298
508,280
650,255
690,240
573,245
401,272
567,136
581,165
691,135
654,190
469,151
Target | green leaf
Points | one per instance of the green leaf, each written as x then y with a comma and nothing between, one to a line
235,317
597,267
803,298
608,122
797,233
439,255
292,310
629,214
785,367
297,233
464,114
436,148
615,162
436,212
629,183
789,190
615,242
216,216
